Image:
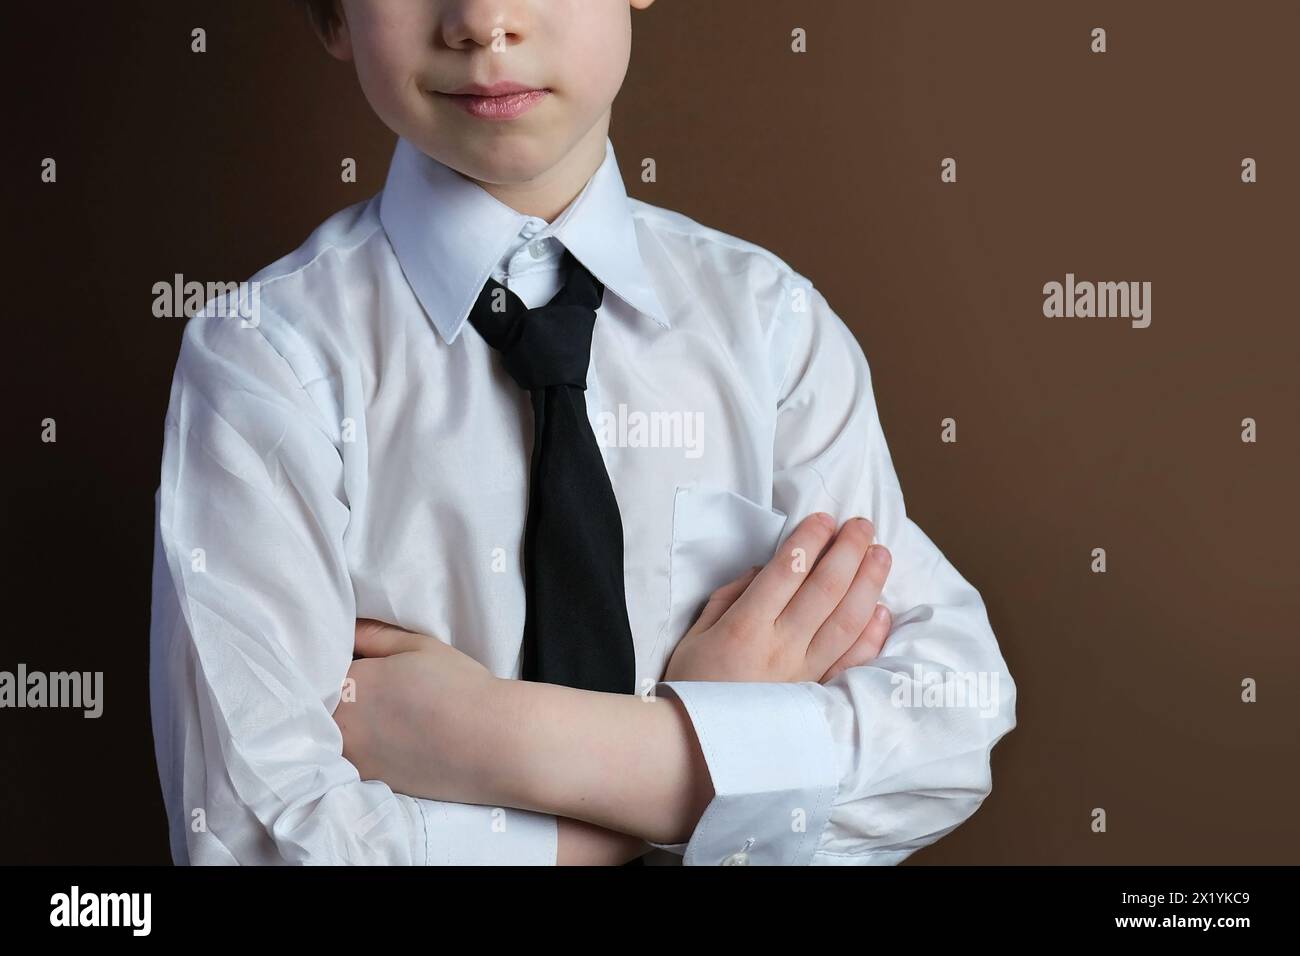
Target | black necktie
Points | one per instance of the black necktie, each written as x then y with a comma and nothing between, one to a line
576,629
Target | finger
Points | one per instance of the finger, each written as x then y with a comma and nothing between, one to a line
867,647
734,589
378,639
827,583
838,632
780,578
723,598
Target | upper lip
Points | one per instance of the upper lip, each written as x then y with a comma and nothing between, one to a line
503,88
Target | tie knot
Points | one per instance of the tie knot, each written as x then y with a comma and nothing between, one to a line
549,345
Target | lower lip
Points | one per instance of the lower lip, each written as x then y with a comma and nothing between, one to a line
499,107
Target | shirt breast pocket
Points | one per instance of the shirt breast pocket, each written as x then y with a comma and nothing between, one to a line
717,535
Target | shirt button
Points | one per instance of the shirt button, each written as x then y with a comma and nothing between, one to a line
737,859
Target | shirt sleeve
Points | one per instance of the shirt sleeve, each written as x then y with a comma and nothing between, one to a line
889,756
252,635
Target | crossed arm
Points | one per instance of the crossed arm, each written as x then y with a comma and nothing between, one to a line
619,771
252,634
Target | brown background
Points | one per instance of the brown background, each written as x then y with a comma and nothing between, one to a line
1073,433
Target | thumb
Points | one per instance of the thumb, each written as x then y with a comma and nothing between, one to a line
723,598
378,639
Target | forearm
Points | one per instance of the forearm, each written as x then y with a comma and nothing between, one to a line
579,843
618,761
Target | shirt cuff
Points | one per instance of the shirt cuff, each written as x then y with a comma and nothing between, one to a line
771,756
466,834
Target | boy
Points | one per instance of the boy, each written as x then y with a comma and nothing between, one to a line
468,411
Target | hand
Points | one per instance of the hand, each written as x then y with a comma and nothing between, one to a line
794,620
410,719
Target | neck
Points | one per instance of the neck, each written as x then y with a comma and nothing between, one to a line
548,195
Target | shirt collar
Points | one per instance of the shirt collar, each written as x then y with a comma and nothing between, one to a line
449,233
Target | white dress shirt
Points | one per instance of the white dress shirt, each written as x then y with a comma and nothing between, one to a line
358,451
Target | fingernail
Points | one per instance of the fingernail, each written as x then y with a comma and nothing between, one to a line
879,554
881,611
825,519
